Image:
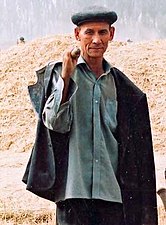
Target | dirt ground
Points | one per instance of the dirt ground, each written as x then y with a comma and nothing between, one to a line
144,63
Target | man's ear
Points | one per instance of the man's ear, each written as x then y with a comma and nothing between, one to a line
76,33
112,32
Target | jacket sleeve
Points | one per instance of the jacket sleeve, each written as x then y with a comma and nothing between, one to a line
43,170
57,116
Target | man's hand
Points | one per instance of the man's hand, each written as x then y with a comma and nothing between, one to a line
69,63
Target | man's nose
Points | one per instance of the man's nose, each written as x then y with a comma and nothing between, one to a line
96,39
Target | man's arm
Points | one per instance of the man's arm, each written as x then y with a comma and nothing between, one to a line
69,63
57,114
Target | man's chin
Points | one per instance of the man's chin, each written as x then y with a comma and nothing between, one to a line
96,55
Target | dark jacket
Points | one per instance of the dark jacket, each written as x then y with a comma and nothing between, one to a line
46,169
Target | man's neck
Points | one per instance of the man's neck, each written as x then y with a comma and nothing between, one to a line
96,65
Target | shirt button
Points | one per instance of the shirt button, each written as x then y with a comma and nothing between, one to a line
96,101
97,160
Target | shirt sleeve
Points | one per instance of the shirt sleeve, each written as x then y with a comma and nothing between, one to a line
57,116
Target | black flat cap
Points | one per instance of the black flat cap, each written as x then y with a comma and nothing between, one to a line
94,14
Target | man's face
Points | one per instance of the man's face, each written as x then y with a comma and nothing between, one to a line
94,38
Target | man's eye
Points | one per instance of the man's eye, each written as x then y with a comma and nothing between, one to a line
102,32
89,32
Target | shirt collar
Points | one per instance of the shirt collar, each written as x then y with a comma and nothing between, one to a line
107,66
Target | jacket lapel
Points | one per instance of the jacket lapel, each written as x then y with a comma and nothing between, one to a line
128,95
122,116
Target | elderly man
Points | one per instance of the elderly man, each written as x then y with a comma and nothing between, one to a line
98,133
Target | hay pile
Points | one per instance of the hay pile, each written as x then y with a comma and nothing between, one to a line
17,71
144,63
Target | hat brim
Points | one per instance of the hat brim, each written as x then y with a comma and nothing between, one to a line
80,18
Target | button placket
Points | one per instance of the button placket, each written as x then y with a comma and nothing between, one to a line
96,140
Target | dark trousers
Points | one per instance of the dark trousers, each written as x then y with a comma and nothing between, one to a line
89,212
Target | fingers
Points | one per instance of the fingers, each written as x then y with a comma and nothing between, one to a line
75,53
70,58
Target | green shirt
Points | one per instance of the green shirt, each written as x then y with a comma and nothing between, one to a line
90,116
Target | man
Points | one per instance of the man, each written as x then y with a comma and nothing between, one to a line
97,157
21,40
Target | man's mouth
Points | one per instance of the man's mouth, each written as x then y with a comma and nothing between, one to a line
96,48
